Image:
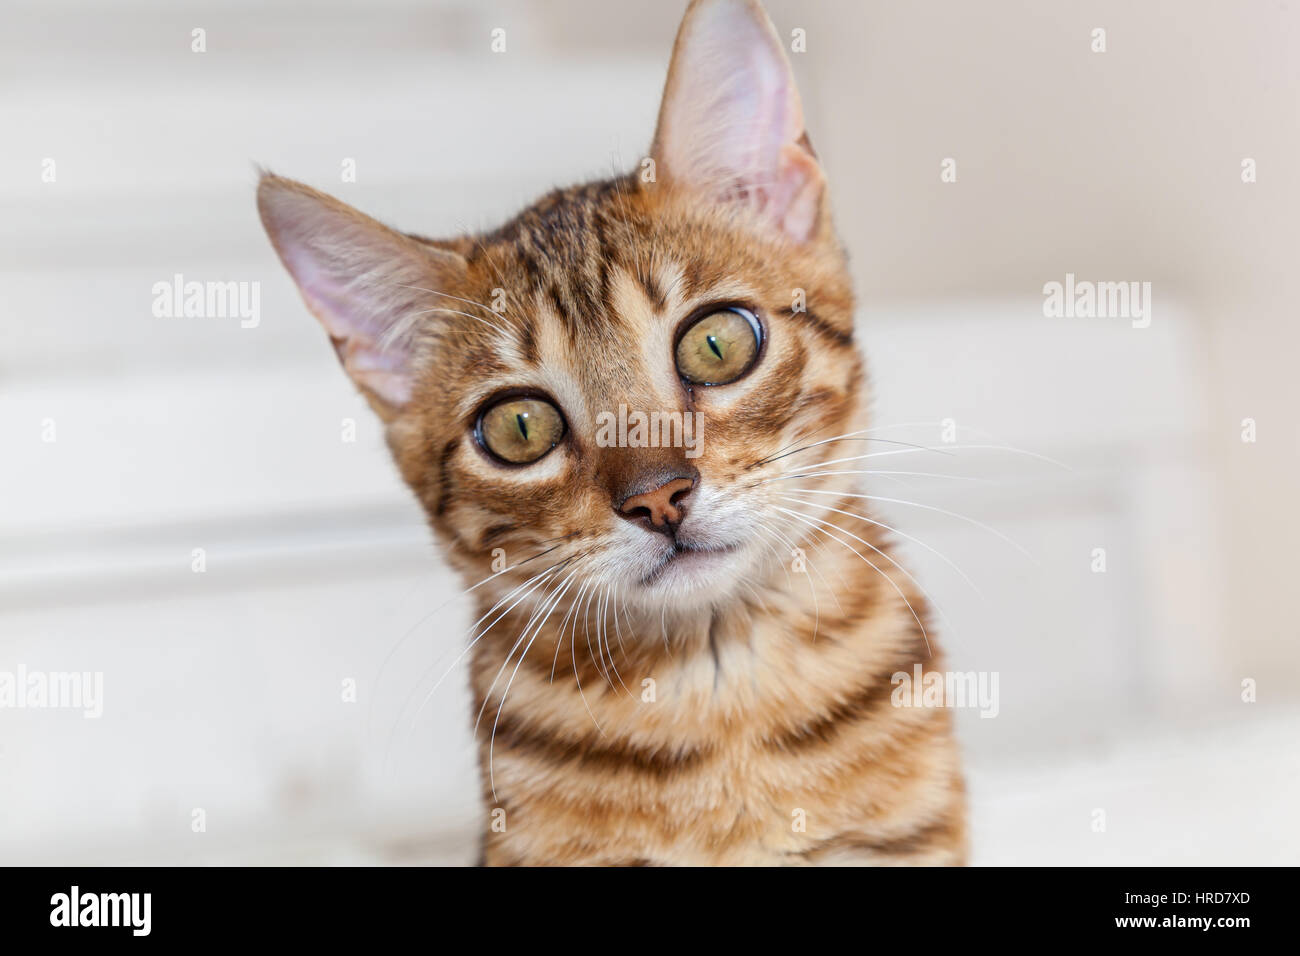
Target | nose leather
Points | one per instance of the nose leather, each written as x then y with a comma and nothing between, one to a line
663,506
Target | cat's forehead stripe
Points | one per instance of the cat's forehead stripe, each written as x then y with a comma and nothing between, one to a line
565,246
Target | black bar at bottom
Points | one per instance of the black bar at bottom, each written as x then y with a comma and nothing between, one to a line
345,906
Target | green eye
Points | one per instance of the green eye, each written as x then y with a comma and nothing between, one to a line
720,347
520,430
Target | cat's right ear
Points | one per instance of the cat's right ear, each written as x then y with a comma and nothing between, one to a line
363,281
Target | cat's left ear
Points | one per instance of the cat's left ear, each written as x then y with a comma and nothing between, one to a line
731,124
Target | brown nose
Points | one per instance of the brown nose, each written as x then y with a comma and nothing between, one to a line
661,508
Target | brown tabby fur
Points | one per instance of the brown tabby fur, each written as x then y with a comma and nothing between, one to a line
771,696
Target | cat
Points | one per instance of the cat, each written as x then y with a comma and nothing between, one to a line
688,659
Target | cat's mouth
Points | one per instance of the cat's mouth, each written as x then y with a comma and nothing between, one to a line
683,558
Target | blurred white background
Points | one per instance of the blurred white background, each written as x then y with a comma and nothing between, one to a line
1119,691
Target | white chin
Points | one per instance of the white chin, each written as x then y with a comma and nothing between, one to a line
694,578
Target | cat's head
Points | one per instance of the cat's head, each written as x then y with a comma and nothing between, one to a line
601,387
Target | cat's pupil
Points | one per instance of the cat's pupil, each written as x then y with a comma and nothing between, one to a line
522,421
714,347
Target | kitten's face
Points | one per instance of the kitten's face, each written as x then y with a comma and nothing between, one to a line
513,368
636,301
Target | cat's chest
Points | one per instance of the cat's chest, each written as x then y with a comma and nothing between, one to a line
756,745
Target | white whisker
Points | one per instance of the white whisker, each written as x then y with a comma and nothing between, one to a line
493,738
892,582
892,530
917,504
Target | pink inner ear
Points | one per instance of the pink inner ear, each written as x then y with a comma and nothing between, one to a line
798,192
354,317
731,122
